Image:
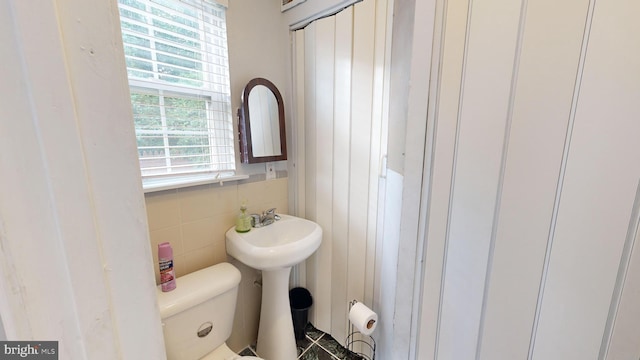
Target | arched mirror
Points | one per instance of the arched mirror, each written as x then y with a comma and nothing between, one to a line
261,123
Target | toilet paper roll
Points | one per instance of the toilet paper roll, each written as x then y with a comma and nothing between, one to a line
363,318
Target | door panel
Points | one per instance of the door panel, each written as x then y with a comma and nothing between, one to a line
542,210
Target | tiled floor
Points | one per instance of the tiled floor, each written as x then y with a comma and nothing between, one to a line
317,345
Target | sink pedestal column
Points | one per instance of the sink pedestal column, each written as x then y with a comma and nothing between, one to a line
276,340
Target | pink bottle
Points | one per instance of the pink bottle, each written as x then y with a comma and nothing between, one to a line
167,274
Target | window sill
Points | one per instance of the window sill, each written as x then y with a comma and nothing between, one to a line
169,183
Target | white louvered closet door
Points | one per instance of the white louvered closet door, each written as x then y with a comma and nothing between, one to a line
339,125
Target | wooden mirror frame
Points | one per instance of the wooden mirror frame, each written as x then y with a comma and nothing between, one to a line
244,125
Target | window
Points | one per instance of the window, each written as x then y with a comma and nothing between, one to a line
178,69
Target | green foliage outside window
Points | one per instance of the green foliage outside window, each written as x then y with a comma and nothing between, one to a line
178,76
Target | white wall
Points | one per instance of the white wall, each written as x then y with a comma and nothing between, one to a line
3,335
533,210
75,258
259,46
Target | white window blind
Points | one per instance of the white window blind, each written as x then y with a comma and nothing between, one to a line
178,69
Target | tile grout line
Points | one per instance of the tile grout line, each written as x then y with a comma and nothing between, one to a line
313,342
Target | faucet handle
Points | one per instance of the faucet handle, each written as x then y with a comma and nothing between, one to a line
271,213
255,220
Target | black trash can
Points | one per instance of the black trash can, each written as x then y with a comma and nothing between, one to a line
300,300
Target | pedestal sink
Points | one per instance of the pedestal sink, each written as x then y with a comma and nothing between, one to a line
274,249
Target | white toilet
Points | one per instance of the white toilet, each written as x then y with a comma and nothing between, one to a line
197,316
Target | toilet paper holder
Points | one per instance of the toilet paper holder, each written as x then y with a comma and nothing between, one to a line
359,343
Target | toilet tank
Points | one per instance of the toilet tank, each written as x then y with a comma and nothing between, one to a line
197,316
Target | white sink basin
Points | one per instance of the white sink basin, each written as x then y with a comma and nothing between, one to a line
284,243
274,249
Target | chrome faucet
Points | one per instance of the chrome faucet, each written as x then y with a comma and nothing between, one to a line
268,217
